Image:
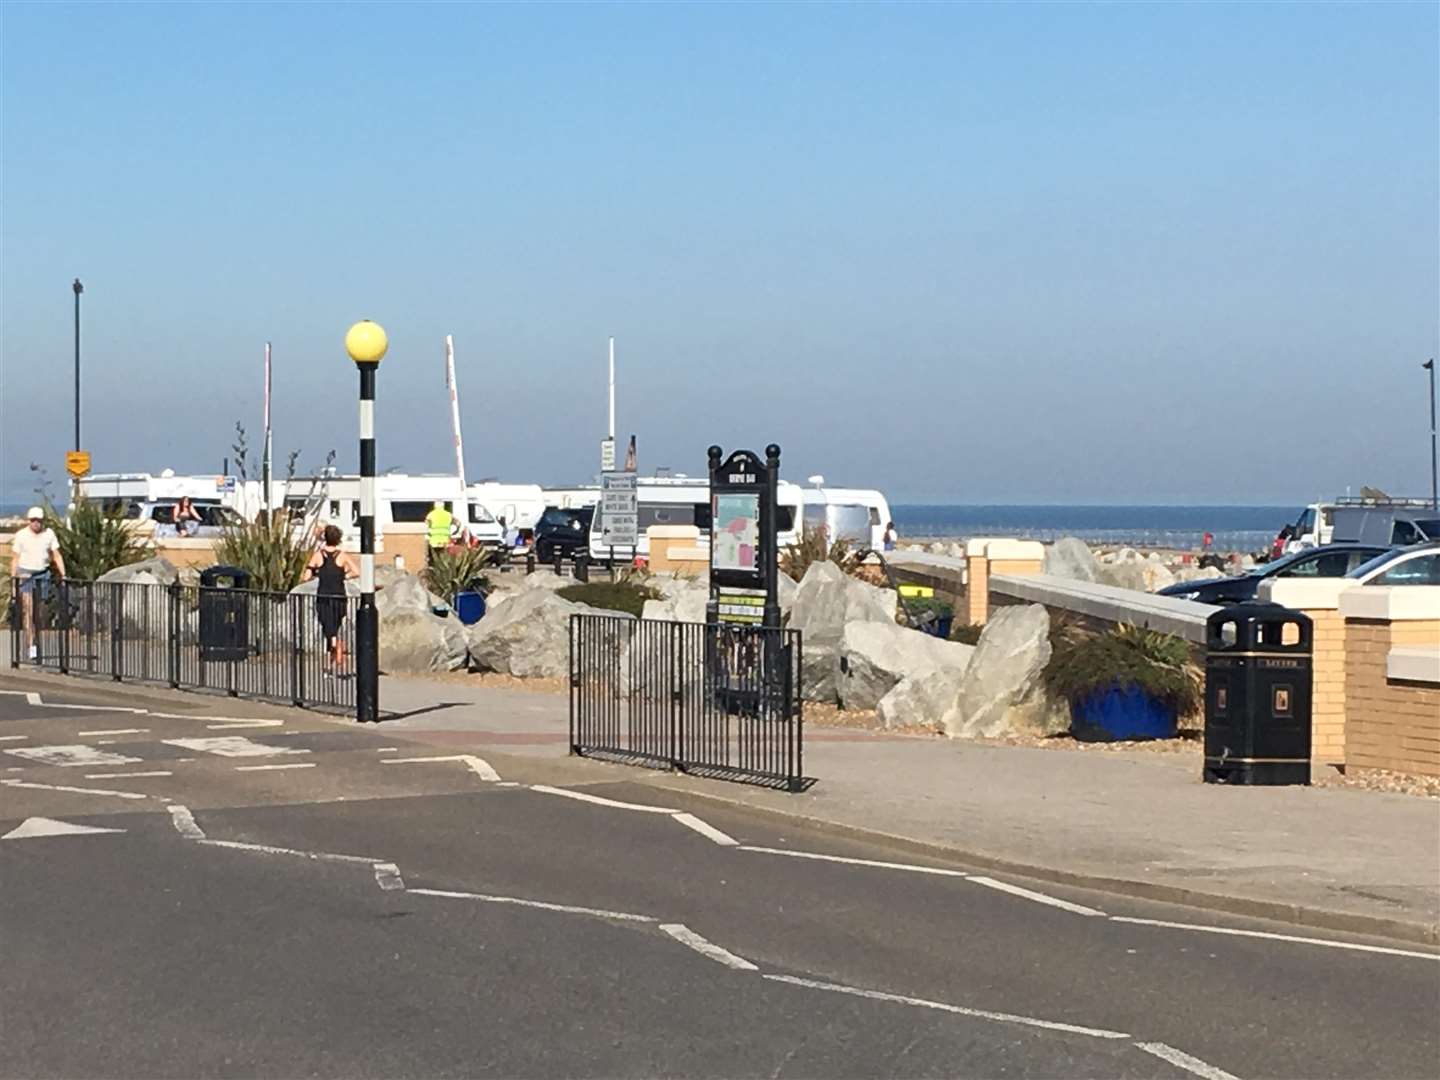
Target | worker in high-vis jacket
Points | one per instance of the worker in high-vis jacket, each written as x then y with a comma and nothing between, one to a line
438,523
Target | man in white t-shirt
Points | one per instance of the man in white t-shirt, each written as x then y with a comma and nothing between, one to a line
33,550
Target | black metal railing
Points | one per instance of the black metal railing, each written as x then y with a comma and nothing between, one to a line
268,646
721,701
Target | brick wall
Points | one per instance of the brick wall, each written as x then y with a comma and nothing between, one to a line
1390,723
1327,724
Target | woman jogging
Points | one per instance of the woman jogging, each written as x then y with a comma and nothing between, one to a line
331,567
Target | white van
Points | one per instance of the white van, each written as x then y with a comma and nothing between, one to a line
401,503
857,515
686,501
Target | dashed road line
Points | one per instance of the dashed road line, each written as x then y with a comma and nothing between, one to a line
271,849
184,822
13,738
267,768
585,796
568,909
1038,897
705,829
981,1014
708,949
387,876
126,775
1294,938
1184,1061
878,864
77,790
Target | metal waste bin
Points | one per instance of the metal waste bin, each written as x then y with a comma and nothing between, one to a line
224,613
1257,695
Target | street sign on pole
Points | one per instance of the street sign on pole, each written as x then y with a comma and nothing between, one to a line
77,462
607,455
619,516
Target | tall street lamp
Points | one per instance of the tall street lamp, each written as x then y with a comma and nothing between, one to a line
78,290
1429,366
366,343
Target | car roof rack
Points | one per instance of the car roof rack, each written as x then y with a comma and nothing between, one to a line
1388,502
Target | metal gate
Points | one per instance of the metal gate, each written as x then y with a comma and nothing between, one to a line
720,701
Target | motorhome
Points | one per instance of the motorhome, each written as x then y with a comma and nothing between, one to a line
114,490
519,504
572,498
401,503
1395,525
858,516
684,500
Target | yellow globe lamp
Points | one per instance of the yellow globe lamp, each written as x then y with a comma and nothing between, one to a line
366,342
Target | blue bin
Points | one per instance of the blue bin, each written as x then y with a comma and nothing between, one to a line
470,607
1123,713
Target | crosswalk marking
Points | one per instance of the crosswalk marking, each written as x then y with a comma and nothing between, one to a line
69,756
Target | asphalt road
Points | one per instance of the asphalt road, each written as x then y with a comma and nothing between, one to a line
298,897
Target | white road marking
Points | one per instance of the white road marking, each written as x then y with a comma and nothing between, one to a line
387,876
12,738
270,849
687,937
1276,937
585,796
1185,1061
568,909
263,768
705,829
80,790
44,826
184,822
125,775
478,765
1038,897
912,867
982,1014
70,756
114,731
232,746
228,724
387,750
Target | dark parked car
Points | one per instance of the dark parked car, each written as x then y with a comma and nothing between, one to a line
565,531
1332,561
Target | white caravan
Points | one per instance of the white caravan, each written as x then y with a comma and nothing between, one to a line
519,504
572,498
856,515
401,503
685,501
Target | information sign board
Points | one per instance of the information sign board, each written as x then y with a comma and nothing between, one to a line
619,510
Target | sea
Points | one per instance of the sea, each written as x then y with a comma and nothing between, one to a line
1235,528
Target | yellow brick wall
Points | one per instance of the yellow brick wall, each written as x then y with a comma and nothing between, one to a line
977,591
1389,724
1016,567
1327,723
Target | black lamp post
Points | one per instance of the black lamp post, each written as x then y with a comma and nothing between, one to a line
78,290
366,343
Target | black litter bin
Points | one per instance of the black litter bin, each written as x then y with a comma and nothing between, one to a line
224,613
1257,695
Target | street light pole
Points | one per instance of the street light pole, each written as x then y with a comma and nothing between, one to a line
78,290
1429,366
366,343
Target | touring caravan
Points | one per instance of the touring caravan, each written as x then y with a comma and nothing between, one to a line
858,516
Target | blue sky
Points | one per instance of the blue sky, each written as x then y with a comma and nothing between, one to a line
969,253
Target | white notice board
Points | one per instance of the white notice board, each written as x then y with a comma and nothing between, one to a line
619,517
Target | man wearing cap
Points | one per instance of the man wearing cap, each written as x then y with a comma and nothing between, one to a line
33,550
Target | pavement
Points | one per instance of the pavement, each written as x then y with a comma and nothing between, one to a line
195,886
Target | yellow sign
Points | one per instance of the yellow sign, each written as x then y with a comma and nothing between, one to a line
77,462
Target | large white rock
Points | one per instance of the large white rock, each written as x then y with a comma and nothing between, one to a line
826,601
417,641
1001,692
1126,574
153,571
528,636
684,600
921,699
406,593
874,657
785,590
1158,576
1072,558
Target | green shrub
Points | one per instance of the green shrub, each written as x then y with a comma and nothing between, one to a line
93,540
626,596
813,547
1085,663
450,574
273,551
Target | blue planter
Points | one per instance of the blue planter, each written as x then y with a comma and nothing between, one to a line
941,626
1123,713
470,607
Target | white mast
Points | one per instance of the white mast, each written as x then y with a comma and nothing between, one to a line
611,429
462,510
266,463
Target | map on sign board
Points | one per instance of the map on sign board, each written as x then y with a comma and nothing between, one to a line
619,517
735,543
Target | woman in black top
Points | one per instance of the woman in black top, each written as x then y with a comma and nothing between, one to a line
331,567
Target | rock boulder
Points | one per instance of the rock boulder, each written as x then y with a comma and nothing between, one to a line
528,636
1001,692
921,699
874,657
1073,559
154,571
413,641
826,601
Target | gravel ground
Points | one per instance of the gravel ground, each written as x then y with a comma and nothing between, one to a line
1384,780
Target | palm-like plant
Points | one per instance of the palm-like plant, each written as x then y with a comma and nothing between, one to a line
93,539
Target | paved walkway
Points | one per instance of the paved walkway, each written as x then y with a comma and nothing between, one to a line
1139,822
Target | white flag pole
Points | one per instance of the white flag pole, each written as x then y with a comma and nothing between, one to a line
462,507
265,465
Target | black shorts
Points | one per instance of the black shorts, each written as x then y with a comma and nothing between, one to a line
331,611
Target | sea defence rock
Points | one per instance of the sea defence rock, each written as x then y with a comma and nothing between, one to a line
1126,574
826,601
413,638
1072,558
874,657
406,592
684,601
154,571
1001,692
528,636
921,699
